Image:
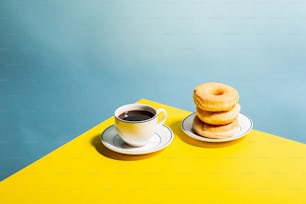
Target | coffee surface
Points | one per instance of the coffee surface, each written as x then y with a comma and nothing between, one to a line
136,115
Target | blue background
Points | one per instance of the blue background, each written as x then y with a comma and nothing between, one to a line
66,65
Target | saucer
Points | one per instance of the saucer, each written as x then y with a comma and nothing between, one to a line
161,139
245,123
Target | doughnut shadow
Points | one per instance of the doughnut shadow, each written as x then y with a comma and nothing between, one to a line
177,129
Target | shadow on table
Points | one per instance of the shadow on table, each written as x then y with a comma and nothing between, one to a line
96,142
176,128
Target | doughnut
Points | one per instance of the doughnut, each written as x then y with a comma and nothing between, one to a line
218,118
215,131
215,97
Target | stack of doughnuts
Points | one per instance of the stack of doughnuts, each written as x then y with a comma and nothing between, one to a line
217,110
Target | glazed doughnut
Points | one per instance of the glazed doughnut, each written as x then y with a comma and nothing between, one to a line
215,97
218,118
215,131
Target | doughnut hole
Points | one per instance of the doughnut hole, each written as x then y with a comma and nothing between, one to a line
218,92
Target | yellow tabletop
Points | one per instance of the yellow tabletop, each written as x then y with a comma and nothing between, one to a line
258,168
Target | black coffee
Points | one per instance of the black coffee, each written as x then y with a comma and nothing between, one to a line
136,115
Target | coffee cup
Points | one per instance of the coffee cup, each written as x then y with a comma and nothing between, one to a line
136,124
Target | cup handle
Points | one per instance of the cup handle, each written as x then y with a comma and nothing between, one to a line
164,117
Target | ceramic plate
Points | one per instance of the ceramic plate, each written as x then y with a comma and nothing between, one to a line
245,123
161,139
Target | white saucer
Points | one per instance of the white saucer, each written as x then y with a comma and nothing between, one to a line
162,138
245,123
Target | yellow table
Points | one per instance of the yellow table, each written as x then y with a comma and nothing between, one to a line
259,168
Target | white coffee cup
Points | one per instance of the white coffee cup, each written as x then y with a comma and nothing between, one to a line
136,124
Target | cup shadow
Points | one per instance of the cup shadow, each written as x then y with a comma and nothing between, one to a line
176,128
101,149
